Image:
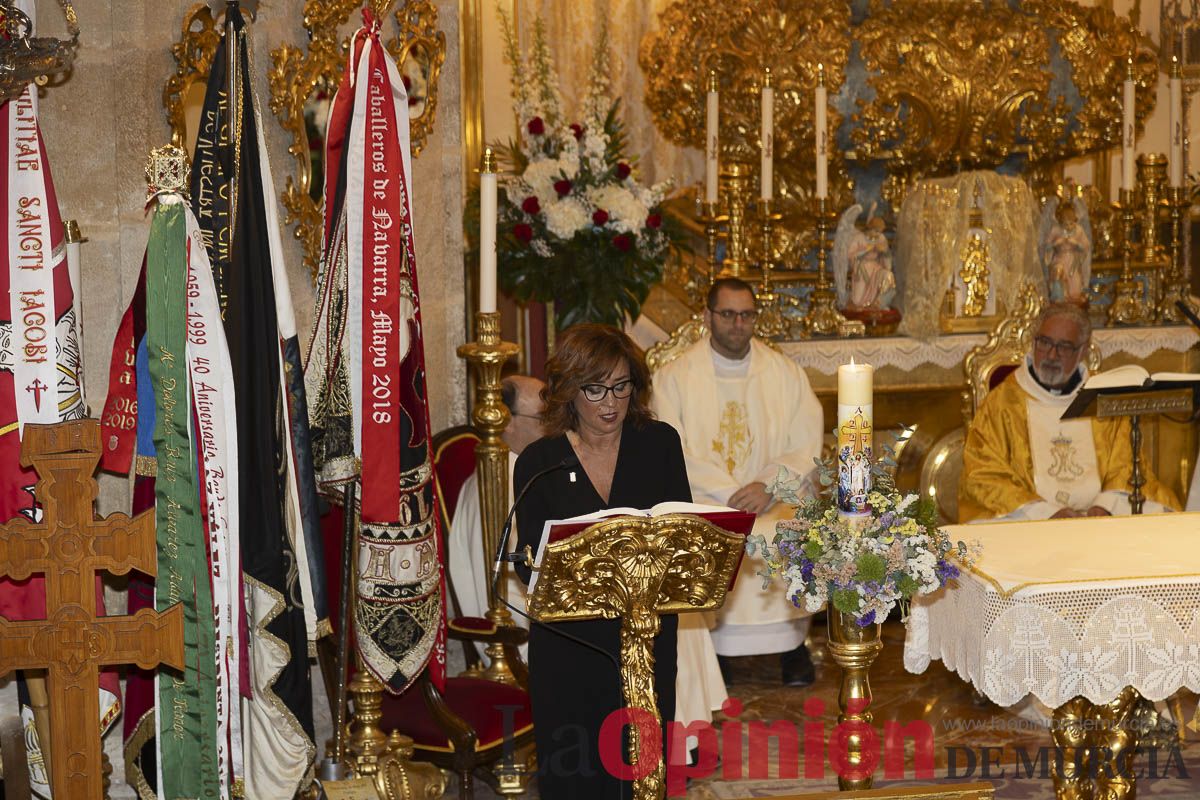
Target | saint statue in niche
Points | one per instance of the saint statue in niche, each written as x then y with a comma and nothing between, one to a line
1065,248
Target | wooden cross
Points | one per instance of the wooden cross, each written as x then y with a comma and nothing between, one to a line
69,545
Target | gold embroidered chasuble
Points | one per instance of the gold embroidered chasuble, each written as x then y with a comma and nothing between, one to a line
1020,460
736,431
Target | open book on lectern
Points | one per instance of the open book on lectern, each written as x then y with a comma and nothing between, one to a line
555,530
1125,380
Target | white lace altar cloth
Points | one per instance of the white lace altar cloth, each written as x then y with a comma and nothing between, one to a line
1062,608
824,355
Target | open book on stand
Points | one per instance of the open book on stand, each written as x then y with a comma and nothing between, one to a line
1133,376
1134,380
555,530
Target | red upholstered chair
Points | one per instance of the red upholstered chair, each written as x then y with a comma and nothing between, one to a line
464,728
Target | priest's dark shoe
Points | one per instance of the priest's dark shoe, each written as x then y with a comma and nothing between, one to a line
798,669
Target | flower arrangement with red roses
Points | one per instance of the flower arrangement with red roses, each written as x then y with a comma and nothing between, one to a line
575,225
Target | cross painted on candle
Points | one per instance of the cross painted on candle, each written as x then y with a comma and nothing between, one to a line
855,432
854,461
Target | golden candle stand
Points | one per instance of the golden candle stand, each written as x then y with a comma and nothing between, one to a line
854,648
773,321
487,355
637,568
1173,289
1127,306
735,181
823,318
710,214
1151,175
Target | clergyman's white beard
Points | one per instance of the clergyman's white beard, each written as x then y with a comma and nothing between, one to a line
1050,374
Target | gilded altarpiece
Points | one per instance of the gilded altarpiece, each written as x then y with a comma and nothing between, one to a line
917,89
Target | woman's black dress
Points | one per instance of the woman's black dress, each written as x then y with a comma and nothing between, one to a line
573,687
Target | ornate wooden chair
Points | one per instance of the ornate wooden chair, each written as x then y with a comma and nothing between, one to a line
475,724
984,368
681,339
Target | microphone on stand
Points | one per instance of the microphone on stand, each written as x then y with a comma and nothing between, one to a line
502,553
1186,310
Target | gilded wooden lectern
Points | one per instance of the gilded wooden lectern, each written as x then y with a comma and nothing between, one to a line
637,568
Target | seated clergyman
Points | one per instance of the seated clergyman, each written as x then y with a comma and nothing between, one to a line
1022,462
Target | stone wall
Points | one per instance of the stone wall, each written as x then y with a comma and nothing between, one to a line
99,127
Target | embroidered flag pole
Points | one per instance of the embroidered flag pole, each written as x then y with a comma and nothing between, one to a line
233,196
366,370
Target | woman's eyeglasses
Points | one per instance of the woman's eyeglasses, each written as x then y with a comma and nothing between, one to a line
596,392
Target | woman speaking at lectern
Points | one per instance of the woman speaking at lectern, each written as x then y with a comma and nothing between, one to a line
597,411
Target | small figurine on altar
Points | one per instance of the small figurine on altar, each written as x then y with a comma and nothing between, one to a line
862,269
1065,247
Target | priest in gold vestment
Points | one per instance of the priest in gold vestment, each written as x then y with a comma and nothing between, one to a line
743,411
1022,462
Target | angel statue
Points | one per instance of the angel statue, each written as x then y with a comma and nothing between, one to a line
1065,248
862,262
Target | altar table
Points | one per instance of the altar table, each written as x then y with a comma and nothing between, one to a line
1079,613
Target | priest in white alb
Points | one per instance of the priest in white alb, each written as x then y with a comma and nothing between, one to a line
743,411
1022,462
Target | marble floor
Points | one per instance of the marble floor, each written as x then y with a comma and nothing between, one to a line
961,729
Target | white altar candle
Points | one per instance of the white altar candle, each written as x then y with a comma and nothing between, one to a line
711,140
487,233
767,174
1176,163
822,135
1127,155
855,424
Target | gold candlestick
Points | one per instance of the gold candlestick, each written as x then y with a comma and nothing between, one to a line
486,356
854,647
735,188
823,318
710,214
772,321
1173,289
1127,307
1151,175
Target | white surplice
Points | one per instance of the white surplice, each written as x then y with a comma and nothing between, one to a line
740,421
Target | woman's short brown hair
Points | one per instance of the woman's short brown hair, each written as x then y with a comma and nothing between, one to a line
587,353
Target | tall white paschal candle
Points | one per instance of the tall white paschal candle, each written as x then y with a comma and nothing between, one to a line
820,127
767,173
1129,106
855,429
1176,162
711,139
487,233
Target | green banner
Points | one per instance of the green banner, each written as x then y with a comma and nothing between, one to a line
187,710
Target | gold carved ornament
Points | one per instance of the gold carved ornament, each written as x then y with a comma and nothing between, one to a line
297,74
194,52
635,569
739,39
947,89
